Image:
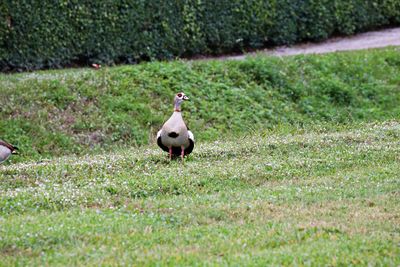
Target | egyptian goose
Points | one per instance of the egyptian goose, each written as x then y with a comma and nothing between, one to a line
174,137
6,150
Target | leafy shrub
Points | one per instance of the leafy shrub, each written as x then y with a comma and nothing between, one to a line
43,34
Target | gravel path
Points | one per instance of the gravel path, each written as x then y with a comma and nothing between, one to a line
375,39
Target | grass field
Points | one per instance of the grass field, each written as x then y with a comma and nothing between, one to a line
80,111
297,162
322,195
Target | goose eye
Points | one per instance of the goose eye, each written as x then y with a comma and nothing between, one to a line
179,95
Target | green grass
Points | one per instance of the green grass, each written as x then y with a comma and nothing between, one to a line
79,111
320,195
296,163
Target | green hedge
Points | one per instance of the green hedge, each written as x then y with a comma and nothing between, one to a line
40,34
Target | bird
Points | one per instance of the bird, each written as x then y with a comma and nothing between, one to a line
96,66
174,136
6,150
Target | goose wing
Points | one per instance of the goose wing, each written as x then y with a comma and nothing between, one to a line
159,142
189,149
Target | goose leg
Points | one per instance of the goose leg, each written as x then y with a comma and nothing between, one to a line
182,152
170,153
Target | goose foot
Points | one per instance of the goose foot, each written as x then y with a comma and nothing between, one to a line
182,152
170,153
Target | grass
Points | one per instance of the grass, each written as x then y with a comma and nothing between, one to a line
320,195
296,163
79,111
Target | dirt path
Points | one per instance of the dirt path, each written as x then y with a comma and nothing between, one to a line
375,39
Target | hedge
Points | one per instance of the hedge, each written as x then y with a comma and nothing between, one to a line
54,33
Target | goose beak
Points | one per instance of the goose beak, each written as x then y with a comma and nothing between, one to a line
185,97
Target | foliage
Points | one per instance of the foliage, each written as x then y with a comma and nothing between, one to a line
51,113
43,34
322,195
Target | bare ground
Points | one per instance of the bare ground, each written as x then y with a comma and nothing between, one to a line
374,39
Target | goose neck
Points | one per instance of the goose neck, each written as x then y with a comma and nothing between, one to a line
177,107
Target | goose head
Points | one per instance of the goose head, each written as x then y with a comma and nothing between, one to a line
179,98
15,150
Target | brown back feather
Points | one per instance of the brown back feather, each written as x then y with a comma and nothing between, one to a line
4,143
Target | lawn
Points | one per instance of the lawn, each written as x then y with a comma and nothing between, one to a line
324,194
80,111
296,163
